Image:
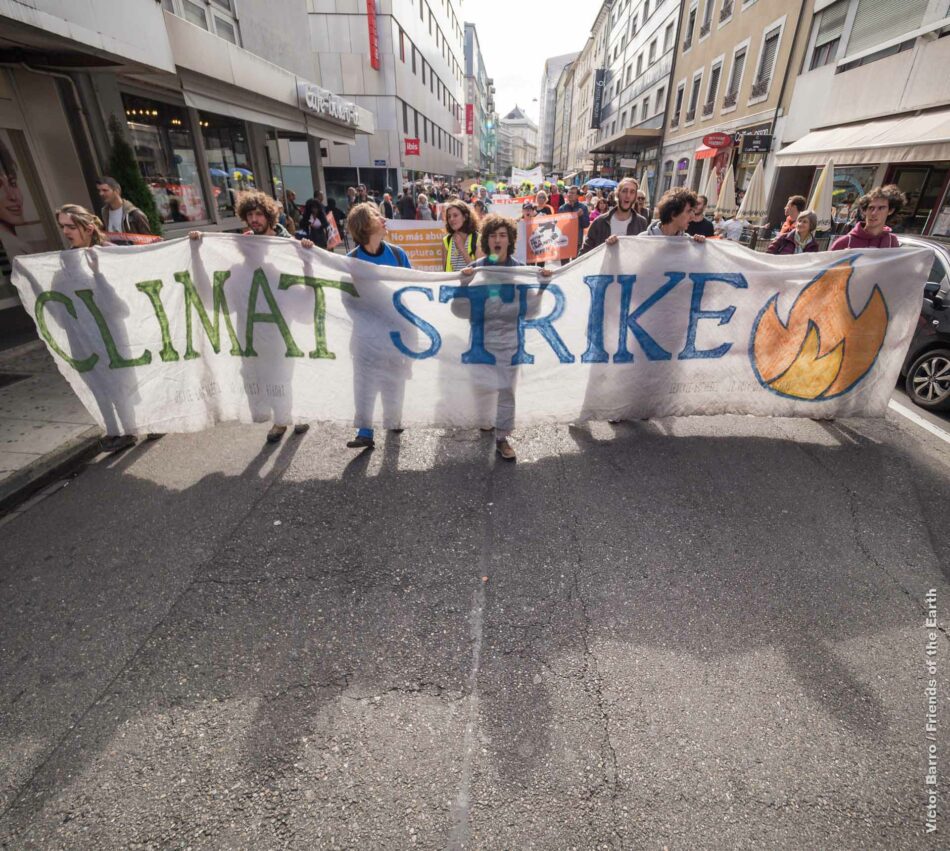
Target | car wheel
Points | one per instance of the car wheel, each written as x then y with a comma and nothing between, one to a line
928,380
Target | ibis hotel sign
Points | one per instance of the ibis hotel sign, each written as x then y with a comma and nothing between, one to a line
325,104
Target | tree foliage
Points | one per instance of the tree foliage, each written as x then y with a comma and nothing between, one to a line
124,168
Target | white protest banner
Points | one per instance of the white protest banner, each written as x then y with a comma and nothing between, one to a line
181,335
421,240
519,175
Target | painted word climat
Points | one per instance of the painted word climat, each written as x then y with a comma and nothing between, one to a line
181,335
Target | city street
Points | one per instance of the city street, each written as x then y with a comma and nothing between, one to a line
680,633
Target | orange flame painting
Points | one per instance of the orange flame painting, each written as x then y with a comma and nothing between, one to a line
824,349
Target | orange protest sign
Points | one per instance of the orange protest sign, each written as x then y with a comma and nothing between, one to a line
551,237
333,232
421,240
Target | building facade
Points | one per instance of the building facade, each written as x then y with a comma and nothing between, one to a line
406,66
585,85
479,110
517,142
190,85
563,118
872,98
732,66
639,51
549,115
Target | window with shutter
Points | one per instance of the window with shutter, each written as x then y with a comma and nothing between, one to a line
735,79
767,61
877,21
713,85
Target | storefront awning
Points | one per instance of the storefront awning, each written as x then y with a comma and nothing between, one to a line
914,138
704,152
627,142
245,112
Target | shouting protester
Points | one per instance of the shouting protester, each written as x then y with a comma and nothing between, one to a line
623,220
498,237
874,207
260,213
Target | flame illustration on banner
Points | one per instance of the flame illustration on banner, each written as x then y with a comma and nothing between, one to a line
824,349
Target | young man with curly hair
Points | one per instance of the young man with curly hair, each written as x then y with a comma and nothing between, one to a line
260,213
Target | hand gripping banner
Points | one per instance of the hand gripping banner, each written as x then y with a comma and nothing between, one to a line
181,335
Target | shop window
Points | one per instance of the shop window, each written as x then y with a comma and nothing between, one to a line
161,136
682,169
667,175
229,159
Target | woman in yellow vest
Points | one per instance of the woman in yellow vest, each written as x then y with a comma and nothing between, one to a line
460,246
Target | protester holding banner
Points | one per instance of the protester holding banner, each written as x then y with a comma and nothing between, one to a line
260,213
675,212
368,229
498,238
80,227
623,220
875,207
460,244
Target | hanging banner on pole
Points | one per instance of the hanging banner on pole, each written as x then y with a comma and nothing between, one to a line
372,23
180,335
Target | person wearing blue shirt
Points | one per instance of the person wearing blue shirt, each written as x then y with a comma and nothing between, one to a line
367,226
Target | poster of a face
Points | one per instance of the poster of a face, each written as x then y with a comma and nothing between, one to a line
21,231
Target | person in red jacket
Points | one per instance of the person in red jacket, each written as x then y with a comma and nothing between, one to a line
875,207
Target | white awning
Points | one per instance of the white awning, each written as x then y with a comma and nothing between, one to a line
914,138
245,112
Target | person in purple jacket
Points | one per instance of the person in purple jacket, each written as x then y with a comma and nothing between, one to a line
875,207
798,240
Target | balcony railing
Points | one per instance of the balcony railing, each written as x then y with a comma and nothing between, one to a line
730,99
708,109
690,114
704,30
760,88
726,11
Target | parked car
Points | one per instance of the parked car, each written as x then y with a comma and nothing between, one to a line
926,369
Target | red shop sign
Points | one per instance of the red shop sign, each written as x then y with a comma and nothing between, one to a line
412,147
469,119
373,34
717,140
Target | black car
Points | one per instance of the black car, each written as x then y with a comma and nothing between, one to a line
926,369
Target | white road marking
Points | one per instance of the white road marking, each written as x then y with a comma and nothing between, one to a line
919,420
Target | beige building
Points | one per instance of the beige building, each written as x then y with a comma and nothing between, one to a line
583,135
730,74
517,142
562,126
873,97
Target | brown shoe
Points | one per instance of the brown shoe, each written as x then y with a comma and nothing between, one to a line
276,433
505,450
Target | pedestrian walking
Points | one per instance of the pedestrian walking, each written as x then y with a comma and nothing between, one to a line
260,213
793,209
424,210
386,206
119,215
406,205
542,205
314,220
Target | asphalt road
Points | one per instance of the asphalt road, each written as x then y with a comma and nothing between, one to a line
695,633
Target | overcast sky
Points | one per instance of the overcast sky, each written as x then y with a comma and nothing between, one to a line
517,36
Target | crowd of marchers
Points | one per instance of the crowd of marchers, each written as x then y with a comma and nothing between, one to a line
475,238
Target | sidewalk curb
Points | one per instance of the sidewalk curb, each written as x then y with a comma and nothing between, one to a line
54,465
